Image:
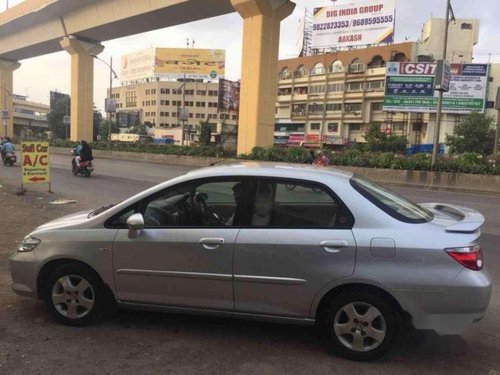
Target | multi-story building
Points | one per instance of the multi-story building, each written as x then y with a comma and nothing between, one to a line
334,97
30,118
159,105
463,35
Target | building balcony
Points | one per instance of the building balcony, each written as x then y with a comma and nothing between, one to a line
284,98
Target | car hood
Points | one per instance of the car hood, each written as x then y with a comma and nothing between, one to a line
65,221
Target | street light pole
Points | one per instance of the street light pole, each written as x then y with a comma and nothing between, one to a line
112,75
110,95
437,128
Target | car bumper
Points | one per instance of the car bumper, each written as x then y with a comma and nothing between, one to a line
24,270
451,310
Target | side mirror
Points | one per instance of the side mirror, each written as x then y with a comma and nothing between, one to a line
135,224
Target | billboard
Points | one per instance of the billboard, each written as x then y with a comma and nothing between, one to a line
138,65
409,87
191,62
353,23
229,96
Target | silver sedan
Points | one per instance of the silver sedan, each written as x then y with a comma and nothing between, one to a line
272,242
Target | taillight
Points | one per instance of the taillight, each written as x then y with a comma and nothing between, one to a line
470,257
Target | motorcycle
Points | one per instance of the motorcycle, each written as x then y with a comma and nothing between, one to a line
85,168
9,159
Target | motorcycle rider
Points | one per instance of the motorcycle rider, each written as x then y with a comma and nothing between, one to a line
83,152
7,148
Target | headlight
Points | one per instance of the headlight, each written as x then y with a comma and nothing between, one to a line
29,244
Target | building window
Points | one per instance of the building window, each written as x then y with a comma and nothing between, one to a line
235,117
316,108
398,126
333,127
336,87
189,92
352,107
201,92
153,102
174,114
466,26
153,91
332,107
355,127
315,126
375,85
299,109
490,104
377,106
317,89
284,91
300,91
355,86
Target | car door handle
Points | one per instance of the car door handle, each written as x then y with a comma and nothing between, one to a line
333,246
211,243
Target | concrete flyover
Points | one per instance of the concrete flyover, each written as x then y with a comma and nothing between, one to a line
38,27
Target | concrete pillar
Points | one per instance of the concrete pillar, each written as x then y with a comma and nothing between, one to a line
82,86
7,68
259,76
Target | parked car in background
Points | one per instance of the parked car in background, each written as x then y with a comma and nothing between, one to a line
275,242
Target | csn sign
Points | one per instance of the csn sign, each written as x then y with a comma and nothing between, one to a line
35,162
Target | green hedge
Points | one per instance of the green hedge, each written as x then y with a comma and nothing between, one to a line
203,151
464,163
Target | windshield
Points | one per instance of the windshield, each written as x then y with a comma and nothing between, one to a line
392,203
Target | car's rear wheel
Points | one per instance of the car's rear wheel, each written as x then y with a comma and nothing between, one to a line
361,326
74,294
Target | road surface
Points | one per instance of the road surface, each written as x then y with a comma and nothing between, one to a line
147,343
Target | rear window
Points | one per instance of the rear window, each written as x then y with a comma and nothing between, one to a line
390,202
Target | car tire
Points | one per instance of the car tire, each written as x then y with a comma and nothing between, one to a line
361,326
74,295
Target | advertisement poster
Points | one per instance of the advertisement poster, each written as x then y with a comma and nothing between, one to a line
137,65
35,162
229,96
353,23
409,88
189,62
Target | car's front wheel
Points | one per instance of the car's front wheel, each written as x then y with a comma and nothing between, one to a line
74,294
361,326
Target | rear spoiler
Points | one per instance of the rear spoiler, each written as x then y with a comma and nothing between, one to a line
468,220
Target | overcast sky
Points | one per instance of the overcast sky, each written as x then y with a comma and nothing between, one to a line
37,76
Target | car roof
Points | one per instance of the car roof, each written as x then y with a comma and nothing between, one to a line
270,169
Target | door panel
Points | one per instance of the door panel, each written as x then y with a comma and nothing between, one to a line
279,271
176,266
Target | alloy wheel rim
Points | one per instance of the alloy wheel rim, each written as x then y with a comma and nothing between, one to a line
73,296
360,326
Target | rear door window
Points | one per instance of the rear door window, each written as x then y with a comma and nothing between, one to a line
298,204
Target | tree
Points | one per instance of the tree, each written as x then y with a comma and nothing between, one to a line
55,119
205,133
97,123
138,128
381,142
105,127
475,133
